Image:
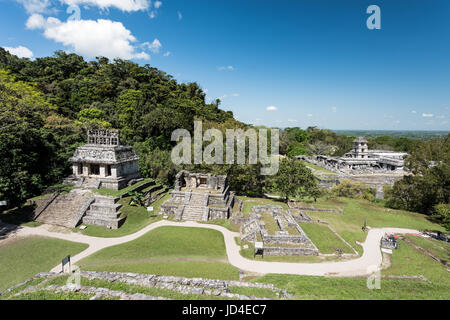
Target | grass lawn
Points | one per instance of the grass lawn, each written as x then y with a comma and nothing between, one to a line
407,260
439,249
118,193
324,239
19,216
249,203
180,251
349,224
137,218
321,170
24,258
308,287
226,223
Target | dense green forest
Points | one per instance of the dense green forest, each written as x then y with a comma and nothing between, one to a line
47,104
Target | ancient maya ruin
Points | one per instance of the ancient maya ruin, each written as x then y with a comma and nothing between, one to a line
102,163
272,230
199,197
360,159
375,168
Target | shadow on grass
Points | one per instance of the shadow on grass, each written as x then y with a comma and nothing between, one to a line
13,219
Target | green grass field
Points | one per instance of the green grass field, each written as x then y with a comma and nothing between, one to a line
356,211
324,239
405,261
24,258
439,249
321,171
190,252
349,224
118,193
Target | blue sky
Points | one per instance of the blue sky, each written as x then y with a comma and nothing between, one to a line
277,63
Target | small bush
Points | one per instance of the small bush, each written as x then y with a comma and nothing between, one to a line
351,189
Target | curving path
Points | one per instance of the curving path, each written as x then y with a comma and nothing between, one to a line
362,266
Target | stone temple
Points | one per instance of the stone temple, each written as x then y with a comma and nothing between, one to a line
361,159
103,162
199,197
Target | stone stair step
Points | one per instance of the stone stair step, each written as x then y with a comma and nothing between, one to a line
102,215
106,207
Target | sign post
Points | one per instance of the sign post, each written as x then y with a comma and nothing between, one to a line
65,261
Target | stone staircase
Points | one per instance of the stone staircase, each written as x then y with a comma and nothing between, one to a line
104,211
195,209
64,210
191,213
90,184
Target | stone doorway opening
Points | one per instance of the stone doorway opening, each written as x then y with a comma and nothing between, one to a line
203,182
94,169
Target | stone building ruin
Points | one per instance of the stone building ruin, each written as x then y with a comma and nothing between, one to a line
361,160
104,162
199,197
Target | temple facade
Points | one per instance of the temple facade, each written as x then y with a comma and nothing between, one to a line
103,162
199,197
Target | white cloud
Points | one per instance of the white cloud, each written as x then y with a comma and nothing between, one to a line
20,51
154,11
309,115
440,117
271,108
180,16
154,47
427,115
334,109
35,6
93,38
414,111
35,21
157,4
227,68
228,95
124,5
168,53
292,120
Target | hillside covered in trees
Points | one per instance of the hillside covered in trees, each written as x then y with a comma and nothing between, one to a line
46,105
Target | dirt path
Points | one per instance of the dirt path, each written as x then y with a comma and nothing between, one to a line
362,266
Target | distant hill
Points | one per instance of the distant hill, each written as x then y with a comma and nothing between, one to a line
411,134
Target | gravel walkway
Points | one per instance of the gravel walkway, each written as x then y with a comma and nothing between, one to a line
362,266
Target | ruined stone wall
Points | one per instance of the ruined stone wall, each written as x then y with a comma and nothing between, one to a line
218,213
278,251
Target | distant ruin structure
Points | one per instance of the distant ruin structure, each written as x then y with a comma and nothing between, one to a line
104,162
375,168
199,197
361,160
